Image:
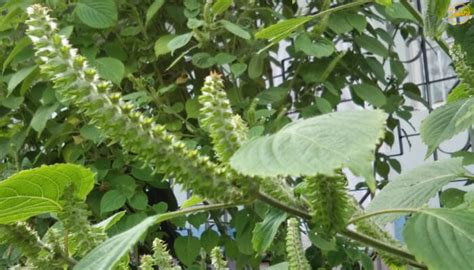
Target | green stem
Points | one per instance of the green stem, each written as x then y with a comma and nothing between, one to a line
382,212
340,8
364,239
369,241
190,210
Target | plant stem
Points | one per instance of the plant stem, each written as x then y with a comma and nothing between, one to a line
341,7
278,204
364,239
382,212
369,241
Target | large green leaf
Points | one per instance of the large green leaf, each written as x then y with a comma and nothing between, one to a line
445,122
370,93
110,69
442,238
106,255
113,249
436,11
97,14
265,231
37,191
414,188
317,145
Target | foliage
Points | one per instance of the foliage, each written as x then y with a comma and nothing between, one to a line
137,107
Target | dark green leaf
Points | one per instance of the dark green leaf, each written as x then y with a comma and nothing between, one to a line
97,14
187,249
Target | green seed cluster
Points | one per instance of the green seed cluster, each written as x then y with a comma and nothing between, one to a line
370,228
74,217
162,257
146,262
294,248
328,201
120,121
217,259
227,130
463,70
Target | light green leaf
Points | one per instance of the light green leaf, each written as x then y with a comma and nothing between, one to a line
461,91
317,145
161,45
112,200
97,14
179,41
113,249
192,201
221,6
265,231
282,29
110,221
370,93
236,29
415,187
372,45
384,2
255,68
224,58
41,116
446,121
18,77
110,69
442,238
187,249
435,12
37,191
153,9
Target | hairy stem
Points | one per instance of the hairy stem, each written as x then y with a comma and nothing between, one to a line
382,212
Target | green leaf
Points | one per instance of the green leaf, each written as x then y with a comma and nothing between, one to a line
452,197
203,60
282,29
370,93
139,201
97,14
192,201
18,77
236,29
221,6
161,45
445,122
372,45
179,41
110,221
255,68
110,69
90,132
153,9
319,49
224,58
37,191
238,68
435,12
459,92
187,249
384,2
357,21
442,238
41,116
209,239
265,231
279,266
112,200
20,45
113,249
415,187
317,145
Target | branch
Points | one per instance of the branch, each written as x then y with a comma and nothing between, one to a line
381,212
280,205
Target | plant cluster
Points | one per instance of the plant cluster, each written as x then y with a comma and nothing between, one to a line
224,137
